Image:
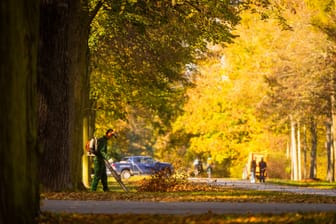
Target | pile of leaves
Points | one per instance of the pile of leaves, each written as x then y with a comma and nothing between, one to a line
160,182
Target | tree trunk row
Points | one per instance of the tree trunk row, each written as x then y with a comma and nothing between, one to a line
295,150
45,78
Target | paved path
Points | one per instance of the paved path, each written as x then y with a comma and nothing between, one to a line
266,186
138,207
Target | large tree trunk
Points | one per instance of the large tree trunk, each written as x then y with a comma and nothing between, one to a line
61,79
88,132
19,190
79,70
89,113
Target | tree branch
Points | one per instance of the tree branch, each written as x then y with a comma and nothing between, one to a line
94,12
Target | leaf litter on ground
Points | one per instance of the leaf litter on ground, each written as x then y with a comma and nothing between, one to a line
170,189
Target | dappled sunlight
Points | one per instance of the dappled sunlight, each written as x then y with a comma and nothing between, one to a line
186,191
216,198
322,217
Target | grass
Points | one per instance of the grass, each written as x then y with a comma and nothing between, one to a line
184,191
305,183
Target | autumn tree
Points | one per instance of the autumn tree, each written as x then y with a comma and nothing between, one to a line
19,190
297,91
220,117
269,48
62,77
139,53
325,19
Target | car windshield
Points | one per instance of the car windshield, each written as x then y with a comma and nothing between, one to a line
147,160
125,159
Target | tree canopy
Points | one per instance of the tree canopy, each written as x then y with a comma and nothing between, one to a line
280,65
209,78
140,54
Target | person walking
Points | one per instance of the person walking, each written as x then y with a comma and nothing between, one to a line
253,170
209,167
99,161
262,170
198,167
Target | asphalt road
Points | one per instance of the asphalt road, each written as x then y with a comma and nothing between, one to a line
266,186
139,207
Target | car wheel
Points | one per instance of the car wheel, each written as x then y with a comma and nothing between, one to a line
125,174
167,172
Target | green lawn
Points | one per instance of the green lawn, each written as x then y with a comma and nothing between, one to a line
305,183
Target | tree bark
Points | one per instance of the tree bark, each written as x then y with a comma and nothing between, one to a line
299,152
19,191
333,130
79,70
89,113
305,152
329,152
313,132
293,150
61,87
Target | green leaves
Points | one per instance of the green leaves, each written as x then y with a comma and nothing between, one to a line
139,50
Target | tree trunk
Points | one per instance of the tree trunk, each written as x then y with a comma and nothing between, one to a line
293,150
329,153
61,80
19,191
304,152
79,70
88,132
89,113
313,132
299,152
333,131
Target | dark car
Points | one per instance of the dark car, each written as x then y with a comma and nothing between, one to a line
140,165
